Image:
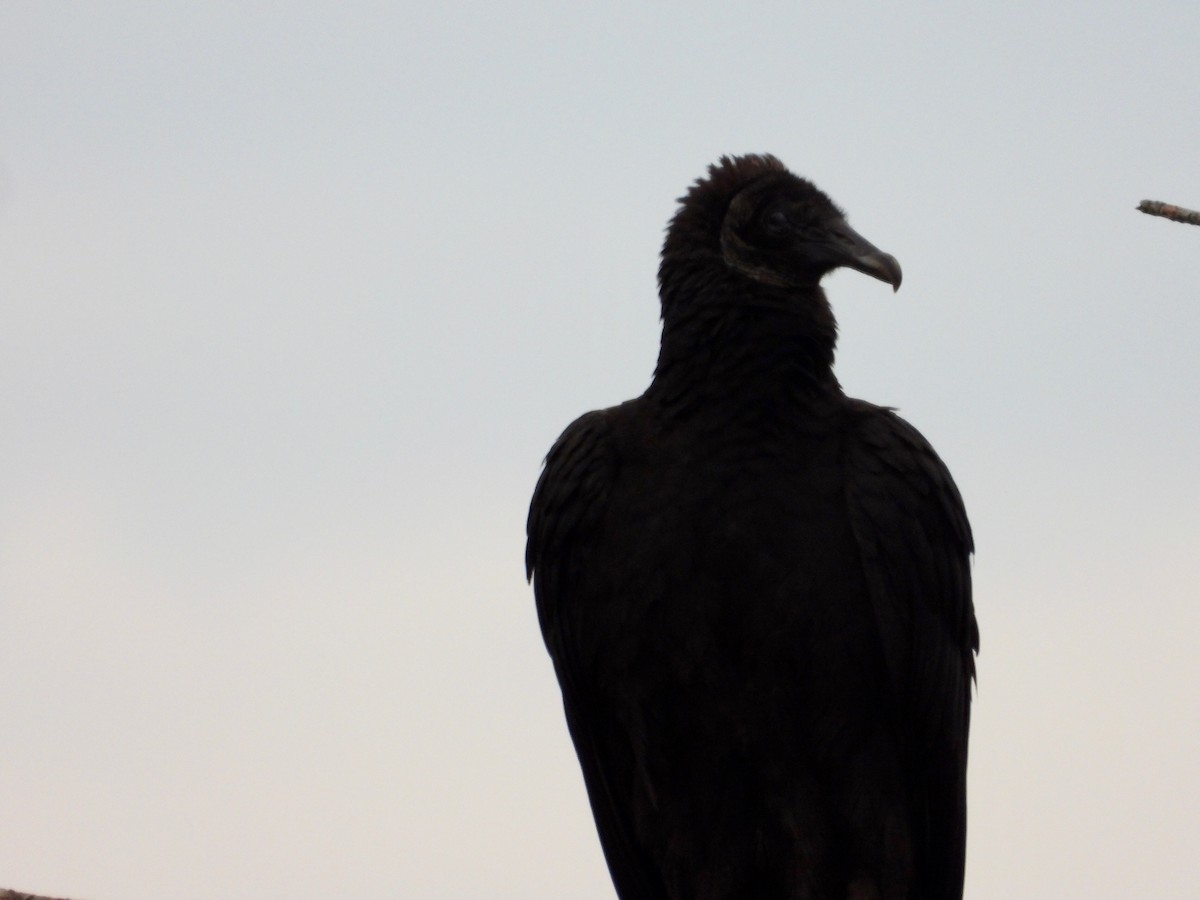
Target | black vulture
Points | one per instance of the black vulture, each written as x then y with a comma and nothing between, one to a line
755,590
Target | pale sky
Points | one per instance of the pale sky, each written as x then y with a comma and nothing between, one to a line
294,298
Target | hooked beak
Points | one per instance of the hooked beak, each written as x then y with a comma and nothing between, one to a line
849,248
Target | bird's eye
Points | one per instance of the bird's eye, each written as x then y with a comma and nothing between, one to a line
776,222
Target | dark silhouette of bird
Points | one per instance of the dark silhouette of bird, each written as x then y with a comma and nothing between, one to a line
756,590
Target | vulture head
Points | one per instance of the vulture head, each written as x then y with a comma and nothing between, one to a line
769,226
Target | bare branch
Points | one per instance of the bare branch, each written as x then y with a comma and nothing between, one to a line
1167,211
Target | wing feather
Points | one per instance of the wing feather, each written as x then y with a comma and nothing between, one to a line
912,531
568,505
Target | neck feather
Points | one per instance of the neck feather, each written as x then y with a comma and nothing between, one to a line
752,346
